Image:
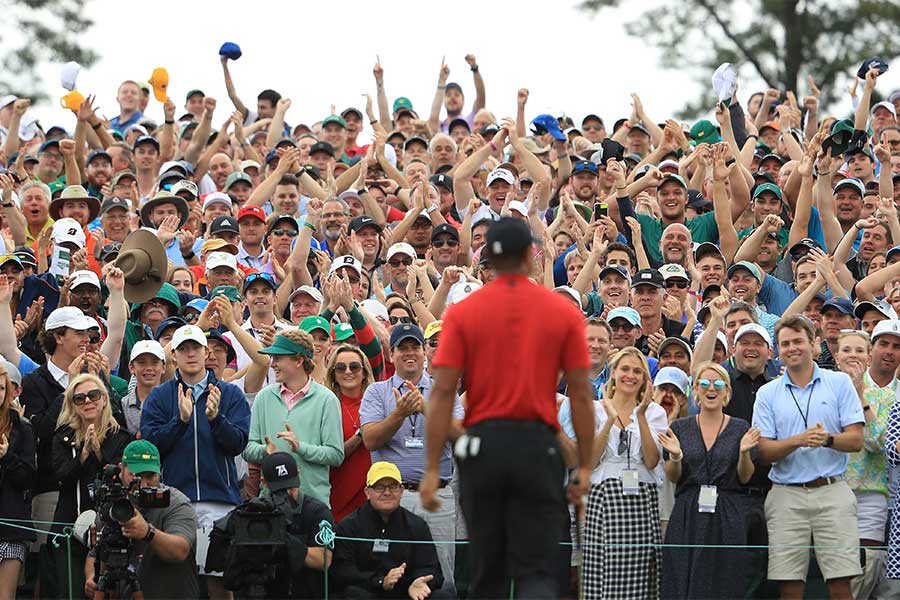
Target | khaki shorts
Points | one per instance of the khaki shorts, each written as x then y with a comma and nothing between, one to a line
798,517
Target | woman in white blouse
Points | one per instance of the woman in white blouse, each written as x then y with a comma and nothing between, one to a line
621,556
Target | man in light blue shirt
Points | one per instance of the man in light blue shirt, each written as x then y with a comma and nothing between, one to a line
810,419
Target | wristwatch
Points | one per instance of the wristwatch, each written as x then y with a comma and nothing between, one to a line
151,532
829,441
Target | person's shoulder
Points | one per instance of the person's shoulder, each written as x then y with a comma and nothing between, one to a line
316,509
323,391
770,389
412,519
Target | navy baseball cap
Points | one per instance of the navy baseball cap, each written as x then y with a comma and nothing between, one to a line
617,269
173,321
406,331
585,165
842,304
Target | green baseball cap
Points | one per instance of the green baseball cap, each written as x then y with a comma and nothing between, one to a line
141,456
673,177
334,119
704,132
229,291
192,93
767,187
310,324
343,331
284,346
401,103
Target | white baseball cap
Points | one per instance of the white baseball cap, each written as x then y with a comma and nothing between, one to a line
220,259
461,290
309,291
71,317
68,230
720,337
571,293
401,248
753,328
888,327
148,347
519,206
502,174
79,277
188,332
7,100
375,308
249,164
216,198
346,260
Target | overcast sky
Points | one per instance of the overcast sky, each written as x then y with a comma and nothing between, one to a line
322,53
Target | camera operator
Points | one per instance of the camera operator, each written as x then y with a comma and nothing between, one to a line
303,555
163,538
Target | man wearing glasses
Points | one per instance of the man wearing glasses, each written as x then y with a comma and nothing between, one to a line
392,418
385,568
399,256
445,246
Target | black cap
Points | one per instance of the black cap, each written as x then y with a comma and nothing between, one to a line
213,335
109,250
445,228
357,223
224,223
406,331
508,237
489,130
322,147
459,122
26,256
415,139
97,154
442,180
711,289
648,276
279,470
697,201
617,269
114,202
146,139
285,141
797,248
171,174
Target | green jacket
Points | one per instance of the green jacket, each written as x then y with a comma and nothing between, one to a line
315,419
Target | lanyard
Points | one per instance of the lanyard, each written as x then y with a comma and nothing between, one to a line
413,418
808,400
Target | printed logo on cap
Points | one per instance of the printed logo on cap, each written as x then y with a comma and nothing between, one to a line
646,276
281,470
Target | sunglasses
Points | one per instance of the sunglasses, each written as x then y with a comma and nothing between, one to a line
624,442
190,317
94,339
287,232
256,277
704,384
620,326
93,396
396,262
394,320
681,284
353,367
441,243
432,343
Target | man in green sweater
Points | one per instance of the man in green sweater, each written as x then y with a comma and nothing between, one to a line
297,415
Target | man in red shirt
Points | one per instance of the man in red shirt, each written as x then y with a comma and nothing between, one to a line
510,341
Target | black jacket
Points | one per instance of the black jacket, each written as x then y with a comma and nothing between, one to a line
42,398
76,480
357,564
16,475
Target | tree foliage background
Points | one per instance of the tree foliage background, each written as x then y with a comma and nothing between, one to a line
33,32
777,41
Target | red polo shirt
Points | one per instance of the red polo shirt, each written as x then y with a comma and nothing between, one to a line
511,339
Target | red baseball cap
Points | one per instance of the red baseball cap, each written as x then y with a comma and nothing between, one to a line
252,211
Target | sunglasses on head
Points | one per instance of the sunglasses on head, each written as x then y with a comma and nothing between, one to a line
257,276
93,396
353,367
394,320
681,284
704,384
287,232
449,242
396,262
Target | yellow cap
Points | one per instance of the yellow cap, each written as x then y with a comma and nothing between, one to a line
72,101
433,328
160,82
217,245
380,470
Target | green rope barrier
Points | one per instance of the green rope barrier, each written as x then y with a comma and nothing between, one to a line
325,538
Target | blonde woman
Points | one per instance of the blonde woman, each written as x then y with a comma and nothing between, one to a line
622,520
87,438
709,456
17,466
348,376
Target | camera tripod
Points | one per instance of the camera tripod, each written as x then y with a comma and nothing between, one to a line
118,580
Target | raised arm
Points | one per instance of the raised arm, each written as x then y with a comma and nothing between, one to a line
728,238
434,120
167,144
276,128
531,163
267,185
751,246
803,207
384,113
706,344
117,317
232,93
201,133
861,119
462,189
11,146
73,173
873,285
656,133
480,94
9,347
221,137
418,205
830,225
14,217
521,101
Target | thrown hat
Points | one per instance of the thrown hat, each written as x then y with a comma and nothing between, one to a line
548,124
872,63
159,80
143,260
230,50
279,471
673,376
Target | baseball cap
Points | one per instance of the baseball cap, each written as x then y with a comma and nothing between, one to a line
842,304
224,223
405,331
383,470
878,305
308,290
235,177
251,211
186,185
343,331
188,333
12,371
114,202
705,132
571,293
229,291
459,122
339,120
585,166
84,277
518,206
145,139
401,248
167,323
889,106
705,249
25,255
11,258
748,266
442,180
501,174
347,260
94,154
376,309
220,259
415,139
358,223
148,347
624,312
460,291
141,456
673,177
753,328
508,236
249,164
68,230
402,102
807,243
433,328
216,198
264,277
321,147
673,270
856,184
889,327
672,376
547,124
71,317
279,470
214,244
313,322
648,276
678,341
444,228
767,187
617,269
213,335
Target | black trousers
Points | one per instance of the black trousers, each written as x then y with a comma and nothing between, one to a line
513,500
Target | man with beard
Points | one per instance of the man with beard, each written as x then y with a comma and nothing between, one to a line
146,163
399,256
647,297
165,205
146,318
114,219
252,227
34,200
453,98
366,230
675,244
98,169
837,315
333,222
585,175
744,281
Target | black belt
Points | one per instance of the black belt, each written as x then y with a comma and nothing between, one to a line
413,486
752,491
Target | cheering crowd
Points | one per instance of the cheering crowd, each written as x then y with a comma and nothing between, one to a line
736,280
